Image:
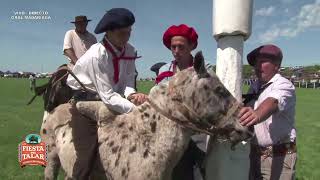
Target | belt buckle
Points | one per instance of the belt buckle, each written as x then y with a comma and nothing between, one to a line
267,152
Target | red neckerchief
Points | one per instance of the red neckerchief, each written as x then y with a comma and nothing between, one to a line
116,59
169,73
163,75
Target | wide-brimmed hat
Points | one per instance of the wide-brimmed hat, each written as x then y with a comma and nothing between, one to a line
80,19
181,30
115,18
268,51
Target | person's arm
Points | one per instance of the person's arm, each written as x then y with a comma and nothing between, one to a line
130,79
277,100
249,117
68,47
71,55
130,91
97,71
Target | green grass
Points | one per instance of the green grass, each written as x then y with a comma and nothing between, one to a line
18,120
308,127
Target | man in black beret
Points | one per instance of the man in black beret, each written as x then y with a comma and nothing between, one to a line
108,69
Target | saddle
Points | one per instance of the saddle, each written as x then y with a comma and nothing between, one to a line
56,91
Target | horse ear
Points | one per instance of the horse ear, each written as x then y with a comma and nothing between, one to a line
199,66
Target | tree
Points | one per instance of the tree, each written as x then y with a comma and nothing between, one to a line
247,71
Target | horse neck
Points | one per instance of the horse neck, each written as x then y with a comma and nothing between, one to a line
168,135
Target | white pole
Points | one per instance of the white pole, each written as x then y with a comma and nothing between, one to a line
230,32
229,63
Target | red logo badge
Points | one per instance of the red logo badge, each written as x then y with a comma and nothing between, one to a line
32,151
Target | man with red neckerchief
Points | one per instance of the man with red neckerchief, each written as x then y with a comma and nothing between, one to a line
107,70
108,67
181,40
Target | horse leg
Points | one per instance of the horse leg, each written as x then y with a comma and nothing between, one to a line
52,169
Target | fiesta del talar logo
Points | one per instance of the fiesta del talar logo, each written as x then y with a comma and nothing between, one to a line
32,151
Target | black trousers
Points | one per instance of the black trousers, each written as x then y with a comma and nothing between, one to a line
193,157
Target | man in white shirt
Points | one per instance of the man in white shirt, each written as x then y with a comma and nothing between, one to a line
108,70
77,41
272,114
108,67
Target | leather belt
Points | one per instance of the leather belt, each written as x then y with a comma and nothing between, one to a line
275,150
85,96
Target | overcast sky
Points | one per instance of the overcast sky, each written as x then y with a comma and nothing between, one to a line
36,45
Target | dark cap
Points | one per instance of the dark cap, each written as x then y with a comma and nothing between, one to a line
268,51
80,19
115,18
156,67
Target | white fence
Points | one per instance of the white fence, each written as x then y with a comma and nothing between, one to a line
314,84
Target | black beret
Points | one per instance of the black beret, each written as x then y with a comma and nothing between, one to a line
115,18
157,66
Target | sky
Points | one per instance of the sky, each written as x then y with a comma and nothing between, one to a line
36,45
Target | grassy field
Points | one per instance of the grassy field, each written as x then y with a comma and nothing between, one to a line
18,120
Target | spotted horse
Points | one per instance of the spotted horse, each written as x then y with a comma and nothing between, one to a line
147,143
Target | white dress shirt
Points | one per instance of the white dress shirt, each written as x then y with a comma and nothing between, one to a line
95,70
280,126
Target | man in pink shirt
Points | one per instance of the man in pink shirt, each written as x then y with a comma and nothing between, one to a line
271,113
77,41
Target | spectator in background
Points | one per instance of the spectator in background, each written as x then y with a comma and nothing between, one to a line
156,67
77,41
271,113
32,79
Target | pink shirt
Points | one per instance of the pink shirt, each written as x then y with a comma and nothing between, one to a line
280,126
80,43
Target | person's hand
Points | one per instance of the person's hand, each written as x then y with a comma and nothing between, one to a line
137,98
248,117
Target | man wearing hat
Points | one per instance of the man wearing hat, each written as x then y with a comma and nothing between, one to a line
79,40
181,40
272,116
107,69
